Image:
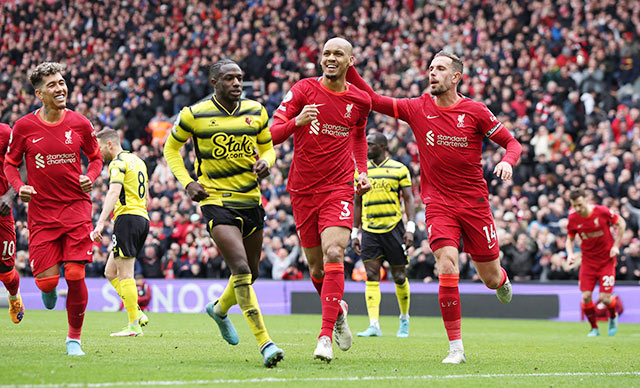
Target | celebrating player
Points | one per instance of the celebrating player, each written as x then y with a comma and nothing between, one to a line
127,199
8,274
592,223
327,119
226,130
59,220
383,233
449,129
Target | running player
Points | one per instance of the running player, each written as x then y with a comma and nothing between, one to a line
226,130
592,223
51,140
449,129
327,118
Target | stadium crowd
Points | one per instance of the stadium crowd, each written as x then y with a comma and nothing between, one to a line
563,76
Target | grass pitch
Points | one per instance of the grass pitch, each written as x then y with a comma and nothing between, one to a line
187,350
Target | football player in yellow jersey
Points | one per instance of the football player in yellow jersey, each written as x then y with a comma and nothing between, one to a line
127,199
226,131
383,233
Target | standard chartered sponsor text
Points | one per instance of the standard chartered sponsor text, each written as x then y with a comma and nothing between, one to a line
61,158
452,141
335,130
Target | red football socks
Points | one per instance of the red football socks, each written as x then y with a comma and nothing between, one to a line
590,311
332,293
317,283
11,281
612,307
449,298
76,298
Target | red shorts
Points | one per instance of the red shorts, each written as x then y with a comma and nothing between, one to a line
313,213
50,246
445,226
7,241
603,274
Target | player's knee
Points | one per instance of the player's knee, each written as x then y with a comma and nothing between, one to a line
399,278
447,267
373,276
47,284
74,271
242,269
335,254
606,299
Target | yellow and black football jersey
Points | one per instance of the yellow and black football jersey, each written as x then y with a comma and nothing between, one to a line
130,171
225,144
381,209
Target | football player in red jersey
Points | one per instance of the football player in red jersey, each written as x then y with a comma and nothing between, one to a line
327,118
8,274
449,129
592,223
50,140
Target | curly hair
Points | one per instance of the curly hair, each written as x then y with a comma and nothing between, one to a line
215,69
43,70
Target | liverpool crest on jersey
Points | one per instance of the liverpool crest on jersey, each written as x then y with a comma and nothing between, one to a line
349,108
67,136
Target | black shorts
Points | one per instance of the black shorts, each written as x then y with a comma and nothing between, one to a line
247,220
129,234
387,246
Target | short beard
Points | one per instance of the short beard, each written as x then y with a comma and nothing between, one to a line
332,76
437,92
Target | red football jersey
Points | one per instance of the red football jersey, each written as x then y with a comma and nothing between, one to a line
450,145
52,156
5,134
323,157
595,233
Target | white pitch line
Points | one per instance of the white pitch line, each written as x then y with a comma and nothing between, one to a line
318,379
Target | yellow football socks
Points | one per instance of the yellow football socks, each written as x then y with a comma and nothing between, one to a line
372,296
116,284
130,298
248,303
227,299
404,299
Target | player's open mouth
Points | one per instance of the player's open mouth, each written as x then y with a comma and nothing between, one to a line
332,67
61,97
236,92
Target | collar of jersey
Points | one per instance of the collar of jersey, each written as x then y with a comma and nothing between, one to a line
222,108
37,114
381,164
346,88
462,98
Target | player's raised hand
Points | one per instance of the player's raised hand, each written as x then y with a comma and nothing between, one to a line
503,170
85,183
261,168
26,192
196,191
363,185
307,115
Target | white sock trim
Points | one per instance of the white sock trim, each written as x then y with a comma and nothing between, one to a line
72,339
456,344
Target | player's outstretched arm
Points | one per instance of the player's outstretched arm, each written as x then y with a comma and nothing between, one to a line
109,203
410,211
380,104
570,250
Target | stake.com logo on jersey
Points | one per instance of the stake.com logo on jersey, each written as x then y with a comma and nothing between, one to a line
48,160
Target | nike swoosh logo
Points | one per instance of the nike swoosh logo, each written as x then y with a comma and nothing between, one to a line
344,218
432,117
89,253
37,140
492,245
